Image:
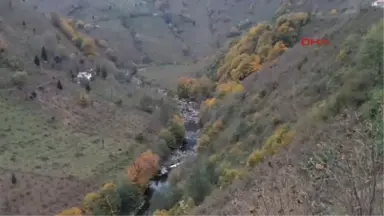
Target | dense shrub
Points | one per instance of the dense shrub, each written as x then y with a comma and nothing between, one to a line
203,142
11,62
64,26
183,207
174,133
198,185
209,134
261,43
256,157
231,87
278,49
130,197
146,104
19,78
208,103
165,112
161,148
166,199
205,109
187,88
195,88
283,9
169,138
68,27
371,50
206,86
106,201
176,127
84,100
229,175
298,19
281,137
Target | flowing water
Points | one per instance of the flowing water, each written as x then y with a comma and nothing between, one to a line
189,111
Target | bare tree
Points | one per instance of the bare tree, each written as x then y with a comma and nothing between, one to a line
346,174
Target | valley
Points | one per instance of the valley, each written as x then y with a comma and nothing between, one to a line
175,107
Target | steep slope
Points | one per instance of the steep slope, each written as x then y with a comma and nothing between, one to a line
143,30
318,106
59,139
199,26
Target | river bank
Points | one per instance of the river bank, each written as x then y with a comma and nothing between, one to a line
189,111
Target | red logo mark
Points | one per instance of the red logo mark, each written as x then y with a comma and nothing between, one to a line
311,42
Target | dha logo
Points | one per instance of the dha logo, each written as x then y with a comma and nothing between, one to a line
311,42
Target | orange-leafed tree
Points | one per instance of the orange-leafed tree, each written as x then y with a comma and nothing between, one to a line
71,211
143,169
188,87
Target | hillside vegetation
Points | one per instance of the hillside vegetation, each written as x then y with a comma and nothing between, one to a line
285,129
305,137
301,137
60,139
288,134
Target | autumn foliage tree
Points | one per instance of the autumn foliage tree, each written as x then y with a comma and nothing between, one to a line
262,43
106,201
68,27
193,88
143,169
71,211
187,87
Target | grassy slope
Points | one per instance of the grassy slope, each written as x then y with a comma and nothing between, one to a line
293,181
167,76
52,137
158,41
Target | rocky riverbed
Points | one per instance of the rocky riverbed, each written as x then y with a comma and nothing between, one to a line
189,111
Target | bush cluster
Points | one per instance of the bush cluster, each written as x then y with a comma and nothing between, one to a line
174,133
261,44
68,27
195,88
279,139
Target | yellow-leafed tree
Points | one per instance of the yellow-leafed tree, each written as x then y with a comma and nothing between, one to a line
231,87
71,211
278,49
104,202
160,213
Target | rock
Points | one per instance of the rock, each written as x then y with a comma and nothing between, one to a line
146,59
80,24
319,167
234,32
244,24
102,43
111,54
161,5
226,19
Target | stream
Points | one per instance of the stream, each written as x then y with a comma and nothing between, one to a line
189,111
